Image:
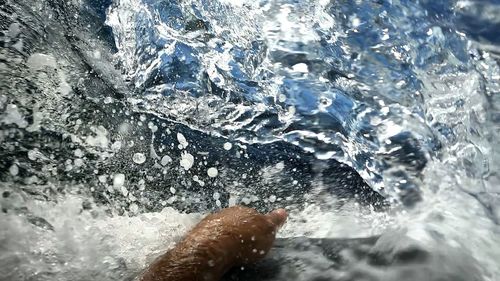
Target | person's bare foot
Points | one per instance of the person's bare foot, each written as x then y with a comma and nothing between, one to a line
231,237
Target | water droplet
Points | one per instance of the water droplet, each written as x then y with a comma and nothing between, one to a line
300,67
133,208
14,170
117,145
228,146
34,154
232,201
187,161
124,190
282,98
182,140
139,158
78,162
78,153
212,172
165,160
118,180
216,195
280,166
172,199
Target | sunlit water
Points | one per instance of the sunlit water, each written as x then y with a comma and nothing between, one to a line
109,136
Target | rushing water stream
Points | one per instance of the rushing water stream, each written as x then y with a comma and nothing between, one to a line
122,122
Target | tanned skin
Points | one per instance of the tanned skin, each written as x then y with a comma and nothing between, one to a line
232,237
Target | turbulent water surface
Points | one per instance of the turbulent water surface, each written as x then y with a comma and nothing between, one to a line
122,122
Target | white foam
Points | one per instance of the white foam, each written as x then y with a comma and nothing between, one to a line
89,242
100,139
39,61
117,145
13,116
14,30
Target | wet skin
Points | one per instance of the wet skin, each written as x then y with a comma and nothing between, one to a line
232,237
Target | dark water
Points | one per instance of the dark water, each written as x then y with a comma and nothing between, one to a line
362,118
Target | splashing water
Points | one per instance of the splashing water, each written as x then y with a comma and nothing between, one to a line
118,116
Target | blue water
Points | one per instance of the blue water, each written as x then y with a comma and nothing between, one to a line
349,81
